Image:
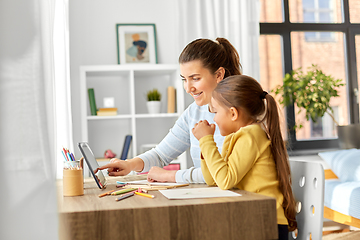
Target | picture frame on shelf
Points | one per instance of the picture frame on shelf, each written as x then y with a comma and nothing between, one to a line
136,43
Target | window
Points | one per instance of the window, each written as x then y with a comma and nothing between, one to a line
354,6
315,11
313,32
324,127
318,11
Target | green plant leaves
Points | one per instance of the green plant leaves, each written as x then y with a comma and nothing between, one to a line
310,92
153,95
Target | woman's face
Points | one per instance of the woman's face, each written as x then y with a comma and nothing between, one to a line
199,82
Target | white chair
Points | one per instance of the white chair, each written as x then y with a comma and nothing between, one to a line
308,187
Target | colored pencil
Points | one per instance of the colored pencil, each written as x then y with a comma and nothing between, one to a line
125,196
123,191
144,195
107,193
64,155
181,185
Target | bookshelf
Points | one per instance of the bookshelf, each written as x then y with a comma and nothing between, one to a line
128,85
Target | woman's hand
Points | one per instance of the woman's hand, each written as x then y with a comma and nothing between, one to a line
116,167
202,129
157,174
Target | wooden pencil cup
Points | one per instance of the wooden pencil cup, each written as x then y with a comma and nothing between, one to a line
73,181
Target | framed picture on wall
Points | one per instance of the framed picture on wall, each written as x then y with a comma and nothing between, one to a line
136,43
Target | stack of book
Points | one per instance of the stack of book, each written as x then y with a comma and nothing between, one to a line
107,112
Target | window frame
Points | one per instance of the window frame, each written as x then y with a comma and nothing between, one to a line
349,30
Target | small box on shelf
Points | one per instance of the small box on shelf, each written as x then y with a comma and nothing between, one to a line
107,112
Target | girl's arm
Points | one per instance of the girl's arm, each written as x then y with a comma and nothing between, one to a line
206,173
228,174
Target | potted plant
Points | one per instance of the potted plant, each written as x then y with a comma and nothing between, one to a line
153,101
310,92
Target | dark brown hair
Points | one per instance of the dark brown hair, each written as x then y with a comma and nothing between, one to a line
213,55
245,93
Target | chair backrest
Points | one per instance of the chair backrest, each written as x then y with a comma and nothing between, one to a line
308,187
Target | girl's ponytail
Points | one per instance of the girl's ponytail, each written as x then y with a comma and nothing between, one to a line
279,152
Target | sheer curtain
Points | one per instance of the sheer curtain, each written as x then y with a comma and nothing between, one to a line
30,130
236,20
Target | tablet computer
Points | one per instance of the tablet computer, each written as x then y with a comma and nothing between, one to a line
92,164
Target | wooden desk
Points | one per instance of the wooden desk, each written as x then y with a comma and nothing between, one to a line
251,216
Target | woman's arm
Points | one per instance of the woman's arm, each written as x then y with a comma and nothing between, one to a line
173,145
118,167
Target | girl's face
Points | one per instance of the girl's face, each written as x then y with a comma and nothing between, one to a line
224,118
199,82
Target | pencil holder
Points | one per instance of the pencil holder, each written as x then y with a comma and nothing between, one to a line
73,182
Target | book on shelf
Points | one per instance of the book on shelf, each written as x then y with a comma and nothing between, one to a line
92,102
171,94
126,147
107,112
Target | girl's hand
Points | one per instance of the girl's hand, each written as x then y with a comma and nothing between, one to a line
157,174
202,129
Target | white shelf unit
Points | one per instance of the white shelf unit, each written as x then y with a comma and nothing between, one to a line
128,84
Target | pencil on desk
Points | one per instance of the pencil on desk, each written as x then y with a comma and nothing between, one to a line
118,182
181,185
123,191
144,195
125,196
107,193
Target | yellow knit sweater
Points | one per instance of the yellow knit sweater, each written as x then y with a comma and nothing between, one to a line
246,163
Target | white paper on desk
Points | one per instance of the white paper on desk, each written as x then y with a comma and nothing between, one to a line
188,193
145,182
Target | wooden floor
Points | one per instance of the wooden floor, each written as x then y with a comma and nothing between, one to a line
349,235
332,230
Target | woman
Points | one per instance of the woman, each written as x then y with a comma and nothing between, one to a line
203,64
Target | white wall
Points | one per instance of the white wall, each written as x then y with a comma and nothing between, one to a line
93,36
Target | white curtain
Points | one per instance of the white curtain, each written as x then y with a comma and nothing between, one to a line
64,136
236,20
29,123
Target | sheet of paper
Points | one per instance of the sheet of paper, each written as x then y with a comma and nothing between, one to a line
154,183
188,193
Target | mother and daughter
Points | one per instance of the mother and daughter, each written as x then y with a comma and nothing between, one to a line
232,129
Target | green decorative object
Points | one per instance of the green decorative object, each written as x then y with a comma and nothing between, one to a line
92,101
310,92
153,95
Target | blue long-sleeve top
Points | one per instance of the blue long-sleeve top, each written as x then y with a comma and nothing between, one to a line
178,140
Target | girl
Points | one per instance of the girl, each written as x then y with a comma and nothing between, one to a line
253,157
203,64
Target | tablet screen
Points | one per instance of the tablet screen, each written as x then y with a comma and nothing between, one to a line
92,164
